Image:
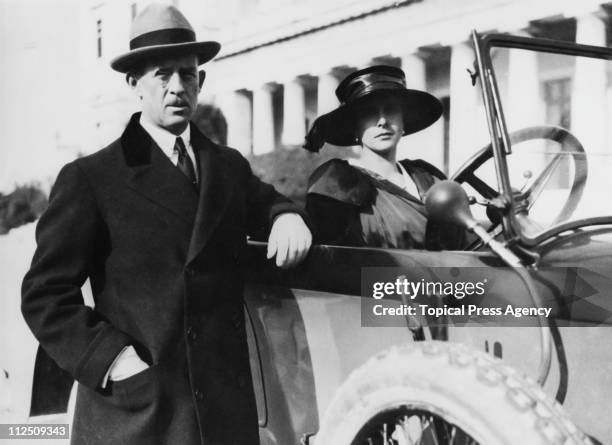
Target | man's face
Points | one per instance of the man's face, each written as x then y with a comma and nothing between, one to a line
168,89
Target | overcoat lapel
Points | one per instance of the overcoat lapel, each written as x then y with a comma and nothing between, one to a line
152,175
216,190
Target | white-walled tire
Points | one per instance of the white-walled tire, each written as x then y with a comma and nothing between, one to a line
466,389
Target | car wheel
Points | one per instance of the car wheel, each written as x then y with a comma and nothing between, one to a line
443,393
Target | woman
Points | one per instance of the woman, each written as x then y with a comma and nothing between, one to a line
374,200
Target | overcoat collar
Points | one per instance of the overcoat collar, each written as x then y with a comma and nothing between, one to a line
157,179
153,175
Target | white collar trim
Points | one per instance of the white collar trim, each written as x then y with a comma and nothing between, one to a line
162,137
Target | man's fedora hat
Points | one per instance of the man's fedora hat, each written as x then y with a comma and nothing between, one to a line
359,89
162,30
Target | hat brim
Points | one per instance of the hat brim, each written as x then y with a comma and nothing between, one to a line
204,51
419,110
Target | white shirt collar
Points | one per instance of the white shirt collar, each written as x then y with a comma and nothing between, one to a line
163,138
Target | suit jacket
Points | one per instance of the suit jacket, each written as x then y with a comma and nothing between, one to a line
164,262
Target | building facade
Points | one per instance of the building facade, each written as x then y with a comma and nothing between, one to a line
275,75
280,63
39,90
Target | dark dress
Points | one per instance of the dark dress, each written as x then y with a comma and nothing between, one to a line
351,206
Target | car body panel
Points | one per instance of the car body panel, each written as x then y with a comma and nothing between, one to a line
307,324
313,326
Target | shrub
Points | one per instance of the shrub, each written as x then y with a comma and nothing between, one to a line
211,122
288,169
24,205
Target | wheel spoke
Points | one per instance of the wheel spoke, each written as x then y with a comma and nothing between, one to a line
453,434
450,436
533,190
434,429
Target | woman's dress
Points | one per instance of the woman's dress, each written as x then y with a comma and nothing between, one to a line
352,206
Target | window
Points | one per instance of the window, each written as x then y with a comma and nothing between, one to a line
99,37
557,94
558,97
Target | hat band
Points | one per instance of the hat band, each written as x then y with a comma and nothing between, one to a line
373,87
163,37
368,83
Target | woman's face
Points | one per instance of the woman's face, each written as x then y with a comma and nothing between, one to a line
380,125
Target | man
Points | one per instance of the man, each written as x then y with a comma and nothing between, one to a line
158,222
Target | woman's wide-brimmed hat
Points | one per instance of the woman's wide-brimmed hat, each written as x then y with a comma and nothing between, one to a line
338,127
162,30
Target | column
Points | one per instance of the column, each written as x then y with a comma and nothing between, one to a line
523,105
237,109
463,107
294,113
588,114
414,67
326,93
429,143
263,120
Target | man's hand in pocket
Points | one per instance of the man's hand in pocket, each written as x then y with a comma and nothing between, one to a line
127,364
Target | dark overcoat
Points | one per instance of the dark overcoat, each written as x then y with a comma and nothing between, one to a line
163,259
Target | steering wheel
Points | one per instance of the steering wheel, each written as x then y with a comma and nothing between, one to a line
569,145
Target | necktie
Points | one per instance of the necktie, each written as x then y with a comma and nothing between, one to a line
184,161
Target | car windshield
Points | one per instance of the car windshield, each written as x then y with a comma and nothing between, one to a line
558,113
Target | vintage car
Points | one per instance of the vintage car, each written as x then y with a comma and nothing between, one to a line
543,227
542,234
